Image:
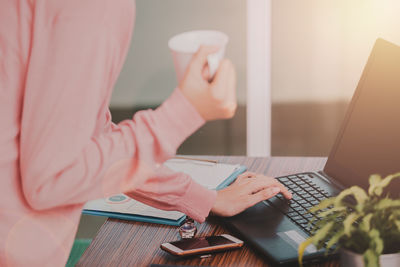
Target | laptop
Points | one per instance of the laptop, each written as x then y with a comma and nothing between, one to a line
368,142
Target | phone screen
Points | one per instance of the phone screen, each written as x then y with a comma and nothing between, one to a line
202,242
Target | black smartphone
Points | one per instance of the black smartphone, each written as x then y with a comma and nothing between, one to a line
202,245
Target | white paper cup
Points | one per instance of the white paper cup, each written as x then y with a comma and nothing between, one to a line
183,46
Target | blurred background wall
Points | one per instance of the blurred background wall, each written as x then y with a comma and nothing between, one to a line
319,48
148,76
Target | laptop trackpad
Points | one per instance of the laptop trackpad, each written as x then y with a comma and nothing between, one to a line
267,229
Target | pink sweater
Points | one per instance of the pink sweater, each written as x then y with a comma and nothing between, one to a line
59,60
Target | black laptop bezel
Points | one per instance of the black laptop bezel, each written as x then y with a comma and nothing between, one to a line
332,168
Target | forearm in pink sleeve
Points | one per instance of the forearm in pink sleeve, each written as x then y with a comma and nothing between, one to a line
155,184
168,190
112,162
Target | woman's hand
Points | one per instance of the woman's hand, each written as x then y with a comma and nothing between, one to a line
213,100
248,189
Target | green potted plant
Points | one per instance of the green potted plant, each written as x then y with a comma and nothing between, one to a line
365,226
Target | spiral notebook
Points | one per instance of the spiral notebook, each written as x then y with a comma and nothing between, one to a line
212,175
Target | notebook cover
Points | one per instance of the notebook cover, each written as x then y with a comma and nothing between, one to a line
231,178
135,217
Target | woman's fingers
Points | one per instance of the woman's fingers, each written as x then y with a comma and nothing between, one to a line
246,175
248,189
285,192
200,58
262,182
206,73
263,195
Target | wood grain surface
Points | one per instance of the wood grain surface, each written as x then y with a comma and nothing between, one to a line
129,243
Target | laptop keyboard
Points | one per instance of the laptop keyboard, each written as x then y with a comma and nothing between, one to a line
306,194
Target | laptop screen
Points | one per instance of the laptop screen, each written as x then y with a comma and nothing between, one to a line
369,139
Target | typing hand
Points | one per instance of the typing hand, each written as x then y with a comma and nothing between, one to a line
248,189
213,100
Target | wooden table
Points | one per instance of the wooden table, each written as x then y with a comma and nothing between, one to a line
129,243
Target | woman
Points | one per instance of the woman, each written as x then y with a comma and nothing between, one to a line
59,61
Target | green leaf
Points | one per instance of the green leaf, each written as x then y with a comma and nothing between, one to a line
388,179
378,191
323,204
327,212
397,224
322,222
334,239
375,236
366,222
348,222
360,194
377,188
396,213
387,203
356,191
371,259
302,248
322,233
374,180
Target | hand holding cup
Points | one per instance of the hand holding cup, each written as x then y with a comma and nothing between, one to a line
205,79
213,100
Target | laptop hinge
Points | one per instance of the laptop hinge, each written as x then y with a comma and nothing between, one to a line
331,180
